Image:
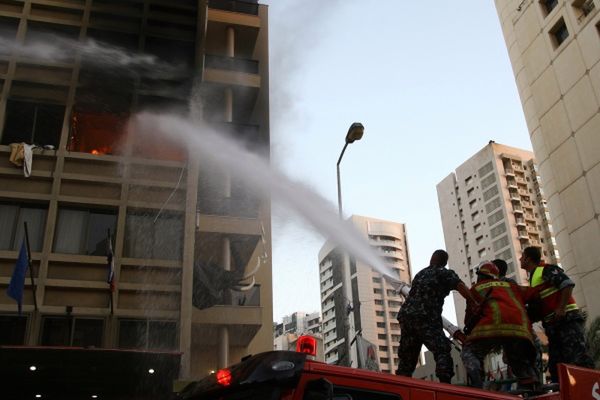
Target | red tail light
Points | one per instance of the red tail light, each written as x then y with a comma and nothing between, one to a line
224,377
307,344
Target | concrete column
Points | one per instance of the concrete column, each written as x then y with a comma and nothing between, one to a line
223,347
228,118
230,41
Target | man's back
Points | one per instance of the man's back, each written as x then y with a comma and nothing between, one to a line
428,290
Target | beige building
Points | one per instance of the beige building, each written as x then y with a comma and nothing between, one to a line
554,47
174,221
492,207
376,303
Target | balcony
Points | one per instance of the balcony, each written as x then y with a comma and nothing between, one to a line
522,234
520,222
238,6
231,64
509,172
234,207
231,71
517,209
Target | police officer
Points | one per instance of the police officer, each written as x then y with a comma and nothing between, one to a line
500,320
561,318
420,317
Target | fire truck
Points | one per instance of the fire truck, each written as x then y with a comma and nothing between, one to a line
287,375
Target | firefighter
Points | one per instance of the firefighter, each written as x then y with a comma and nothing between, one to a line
420,317
558,311
500,320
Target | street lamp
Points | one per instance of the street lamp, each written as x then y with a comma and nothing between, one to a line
355,132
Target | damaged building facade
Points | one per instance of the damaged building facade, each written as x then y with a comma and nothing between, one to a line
191,243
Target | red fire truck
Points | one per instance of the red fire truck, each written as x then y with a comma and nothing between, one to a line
286,375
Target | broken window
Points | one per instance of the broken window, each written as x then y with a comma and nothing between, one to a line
32,122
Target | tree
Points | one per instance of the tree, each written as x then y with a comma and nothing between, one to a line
593,339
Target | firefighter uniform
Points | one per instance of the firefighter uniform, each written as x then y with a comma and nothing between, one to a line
566,336
421,322
501,320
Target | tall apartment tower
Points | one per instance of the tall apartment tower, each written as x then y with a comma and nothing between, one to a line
554,48
174,221
376,303
492,207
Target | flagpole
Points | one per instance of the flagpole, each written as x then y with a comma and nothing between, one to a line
112,305
30,266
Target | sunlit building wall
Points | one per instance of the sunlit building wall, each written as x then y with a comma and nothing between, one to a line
493,206
554,48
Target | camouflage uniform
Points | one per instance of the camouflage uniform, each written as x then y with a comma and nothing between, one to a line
566,337
421,322
566,343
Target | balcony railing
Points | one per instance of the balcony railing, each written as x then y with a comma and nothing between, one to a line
245,7
229,207
231,64
248,298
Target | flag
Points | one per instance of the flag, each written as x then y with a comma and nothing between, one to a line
110,279
17,281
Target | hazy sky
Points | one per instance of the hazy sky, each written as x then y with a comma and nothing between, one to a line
430,81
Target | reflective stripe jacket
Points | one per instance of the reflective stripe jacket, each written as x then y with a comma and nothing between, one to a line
503,312
550,292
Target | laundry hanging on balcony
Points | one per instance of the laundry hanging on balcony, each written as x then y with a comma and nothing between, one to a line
21,155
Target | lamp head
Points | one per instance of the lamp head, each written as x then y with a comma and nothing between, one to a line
355,132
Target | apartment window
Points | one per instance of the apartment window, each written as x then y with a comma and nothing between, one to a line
482,253
381,336
495,217
491,192
12,219
381,324
84,231
492,205
486,182
559,33
32,122
391,292
70,331
500,243
379,313
468,181
395,338
147,334
377,291
383,348
487,168
395,326
379,302
475,215
478,240
376,280
384,360
548,5
147,238
498,230
12,330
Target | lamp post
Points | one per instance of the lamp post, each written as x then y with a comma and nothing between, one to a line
355,132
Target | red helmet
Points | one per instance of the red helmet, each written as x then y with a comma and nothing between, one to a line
489,269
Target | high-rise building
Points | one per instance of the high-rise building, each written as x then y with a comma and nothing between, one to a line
492,207
375,301
299,323
554,48
71,74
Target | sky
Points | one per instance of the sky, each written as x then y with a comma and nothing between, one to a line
432,84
